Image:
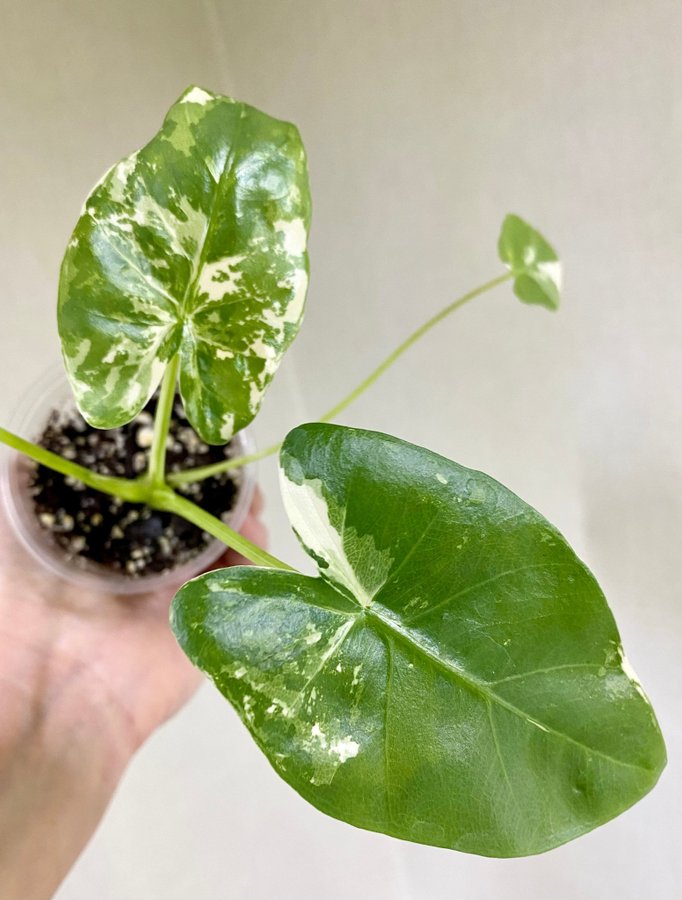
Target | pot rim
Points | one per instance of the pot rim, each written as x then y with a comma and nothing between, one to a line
52,391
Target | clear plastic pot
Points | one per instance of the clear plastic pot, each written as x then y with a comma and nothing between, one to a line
52,392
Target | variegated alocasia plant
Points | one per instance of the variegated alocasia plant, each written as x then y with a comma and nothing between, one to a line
451,674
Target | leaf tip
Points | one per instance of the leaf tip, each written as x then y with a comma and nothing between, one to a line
196,94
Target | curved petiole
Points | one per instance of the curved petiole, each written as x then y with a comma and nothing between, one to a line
202,472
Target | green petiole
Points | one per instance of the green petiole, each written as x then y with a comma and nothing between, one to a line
202,472
132,491
155,488
168,500
157,455
143,491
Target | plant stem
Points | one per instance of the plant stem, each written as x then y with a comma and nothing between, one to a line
166,499
198,474
153,489
142,491
409,341
133,491
157,456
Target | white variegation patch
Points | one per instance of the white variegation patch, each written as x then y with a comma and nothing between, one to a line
158,367
295,235
220,279
271,356
263,350
353,560
182,232
630,673
292,314
340,748
344,748
119,177
133,394
197,95
256,392
78,357
227,426
294,310
112,353
549,268
552,271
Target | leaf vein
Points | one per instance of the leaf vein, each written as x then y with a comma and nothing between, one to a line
408,555
473,587
483,688
547,671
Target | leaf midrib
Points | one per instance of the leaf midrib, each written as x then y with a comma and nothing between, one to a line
391,628
227,172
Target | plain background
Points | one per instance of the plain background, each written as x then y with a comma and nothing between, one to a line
425,122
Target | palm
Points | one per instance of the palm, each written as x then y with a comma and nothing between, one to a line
116,656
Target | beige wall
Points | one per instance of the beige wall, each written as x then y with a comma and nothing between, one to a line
425,122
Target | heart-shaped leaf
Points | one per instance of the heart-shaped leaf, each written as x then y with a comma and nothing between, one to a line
455,677
194,245
533,262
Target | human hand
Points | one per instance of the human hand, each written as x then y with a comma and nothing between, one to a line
84,680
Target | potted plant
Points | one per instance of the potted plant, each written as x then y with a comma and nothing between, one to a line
105,541
452,674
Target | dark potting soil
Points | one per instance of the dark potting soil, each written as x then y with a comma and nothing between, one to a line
126,537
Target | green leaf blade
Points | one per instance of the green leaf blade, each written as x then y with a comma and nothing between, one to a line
196,245
472,693
533,262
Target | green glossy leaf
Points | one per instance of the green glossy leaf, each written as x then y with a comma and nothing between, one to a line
455,677
195,245
533,262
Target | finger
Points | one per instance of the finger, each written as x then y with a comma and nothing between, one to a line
258,502
255,531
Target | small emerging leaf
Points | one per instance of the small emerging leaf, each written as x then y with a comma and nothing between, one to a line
454,677
533,262
195,245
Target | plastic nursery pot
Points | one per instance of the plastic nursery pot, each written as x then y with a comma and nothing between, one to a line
52,392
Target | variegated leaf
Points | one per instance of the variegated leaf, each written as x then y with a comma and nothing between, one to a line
454,677
532,261
195,245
